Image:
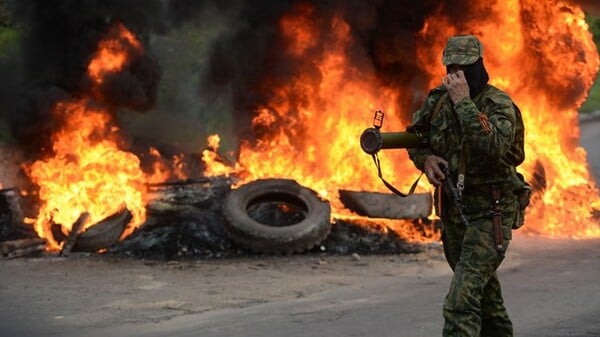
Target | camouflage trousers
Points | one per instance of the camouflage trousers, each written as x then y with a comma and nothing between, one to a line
474,305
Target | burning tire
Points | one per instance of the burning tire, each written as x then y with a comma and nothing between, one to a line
276,216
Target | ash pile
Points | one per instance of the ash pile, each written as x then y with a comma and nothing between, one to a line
207,218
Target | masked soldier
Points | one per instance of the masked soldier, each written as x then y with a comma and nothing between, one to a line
476,137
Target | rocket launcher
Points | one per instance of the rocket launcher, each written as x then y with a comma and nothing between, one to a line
372,140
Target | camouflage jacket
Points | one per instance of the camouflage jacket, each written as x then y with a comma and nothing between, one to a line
487,126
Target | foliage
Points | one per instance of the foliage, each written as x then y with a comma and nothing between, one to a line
594,24
593,101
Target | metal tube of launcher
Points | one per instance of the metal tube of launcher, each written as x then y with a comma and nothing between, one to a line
372,139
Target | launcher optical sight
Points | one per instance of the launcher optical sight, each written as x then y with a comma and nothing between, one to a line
372,139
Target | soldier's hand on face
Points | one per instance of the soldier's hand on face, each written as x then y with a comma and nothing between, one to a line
456,84
433,171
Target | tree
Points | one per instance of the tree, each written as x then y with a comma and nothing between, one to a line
594,23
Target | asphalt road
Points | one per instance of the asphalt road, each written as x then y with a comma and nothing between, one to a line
590,140
551,289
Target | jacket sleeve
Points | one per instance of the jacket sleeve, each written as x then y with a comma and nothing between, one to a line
421,121
489,133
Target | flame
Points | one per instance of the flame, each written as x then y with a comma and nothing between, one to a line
215,164
160,170
545,57
541,53
318,145
88,172
164,169
112,53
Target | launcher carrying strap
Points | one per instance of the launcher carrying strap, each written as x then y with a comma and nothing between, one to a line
388,185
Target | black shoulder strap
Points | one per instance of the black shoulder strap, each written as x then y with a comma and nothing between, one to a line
436,110
388,185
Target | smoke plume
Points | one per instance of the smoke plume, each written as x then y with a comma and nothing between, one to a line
240,69
58,39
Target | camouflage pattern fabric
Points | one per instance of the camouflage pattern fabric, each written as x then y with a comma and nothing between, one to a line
474,304
462,49
486,151
486,123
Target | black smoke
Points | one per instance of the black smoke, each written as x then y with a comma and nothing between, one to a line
60,36
58,39
250,58
245,64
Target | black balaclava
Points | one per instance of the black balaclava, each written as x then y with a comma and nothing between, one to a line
476,75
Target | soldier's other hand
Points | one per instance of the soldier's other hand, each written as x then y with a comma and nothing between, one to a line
457,86
433,171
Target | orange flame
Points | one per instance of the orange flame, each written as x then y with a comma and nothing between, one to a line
160,170
112,53
88,172
545,57
164,169
215,165
540,52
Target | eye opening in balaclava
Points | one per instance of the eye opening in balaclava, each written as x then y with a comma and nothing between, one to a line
476,75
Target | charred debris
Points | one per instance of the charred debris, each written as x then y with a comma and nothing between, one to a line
185,221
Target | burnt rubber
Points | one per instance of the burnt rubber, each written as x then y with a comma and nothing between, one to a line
282,235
